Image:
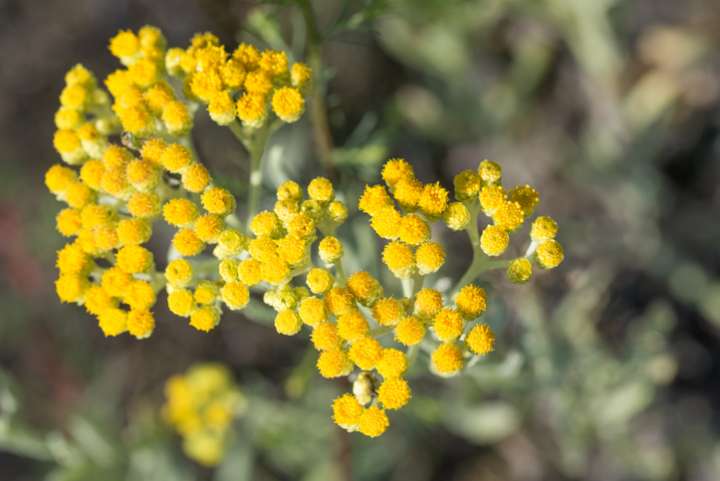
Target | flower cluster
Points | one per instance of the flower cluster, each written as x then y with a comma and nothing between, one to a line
201,405
115,191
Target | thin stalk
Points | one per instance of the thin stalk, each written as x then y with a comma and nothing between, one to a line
480,262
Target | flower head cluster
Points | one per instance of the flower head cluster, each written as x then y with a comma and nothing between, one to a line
201,405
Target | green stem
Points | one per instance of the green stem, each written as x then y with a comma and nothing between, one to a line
480,262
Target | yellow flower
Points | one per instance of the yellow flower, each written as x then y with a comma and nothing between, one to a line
96,300
330,249
339,301
373,199
287,322
467,185
205,318
206,293
324,336
208,227
333,363
433,200
288,104
320,189
471,301
250,272
407,192
134,259
526,197
364,287
195,178
235,295
144,205
265,224
175,158
413,230
489,171
247,54
58,178
70,287
447,360
222,108
178,273
217,200
352,325
187,243
142,174
494,240
394,393
319,280
68,222
115,281
428,303
347,411
140,323
140,295
409,331
392,363
312,311
396,169
509,216
124,45
491,198
399,258
227,268
457,216
181,302
519,270
366,352
373,422
481,340
300,75
274,63
429,257
79,195
385,222
549,254
448,325
112,321
388,311
543,228
152,150
92,173
251,109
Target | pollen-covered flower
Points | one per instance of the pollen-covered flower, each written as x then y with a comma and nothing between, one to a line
447,360
494,240
394,393
549,254
471,301
481,339
519,270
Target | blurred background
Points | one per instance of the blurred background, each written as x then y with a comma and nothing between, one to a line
607,368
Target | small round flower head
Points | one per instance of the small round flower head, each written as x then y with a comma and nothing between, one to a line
91,173
366,352
228,270
288,104
95,215
325,336
235,295
217,200
433,200
399,258
428,303
79,195
115,281
142,174
134,259
113,321
140,323
230,242
205,318
320,189
153,149
509,216
392,363
68,222
262,249
429,257
175,158
388,311
457,216
396,169
364,287
409,331
549,254
481,339
467,184
394,393
337,212
526,196
97,300
180,212
222,108
386,221
195,178
70,287
292,249
58,178
352,325
206,293
333,363
491,197
494,240
447,360
312,311
251,109
144,205
178,273
287,322
330,249
275,271
208,227
233,74
347,411
543,228
187,243
471,301
300,74
250,271
124,45
373,199
301,225
407,192
519,270
319,280
413,230
373,422
181,302
140,295
289,190
133,231
489,171
448,325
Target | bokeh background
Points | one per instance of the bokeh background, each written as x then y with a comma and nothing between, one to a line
607,368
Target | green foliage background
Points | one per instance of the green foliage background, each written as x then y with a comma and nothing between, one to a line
606,369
